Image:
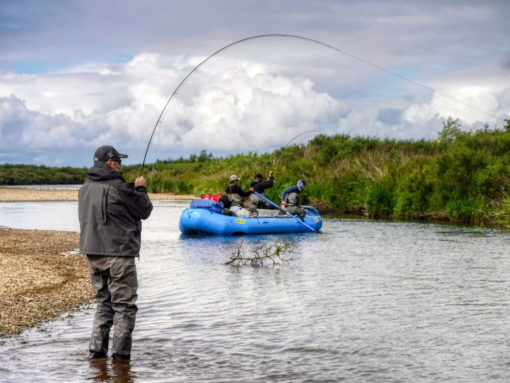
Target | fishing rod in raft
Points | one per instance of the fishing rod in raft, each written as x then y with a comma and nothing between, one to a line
285,211
272,35
276,159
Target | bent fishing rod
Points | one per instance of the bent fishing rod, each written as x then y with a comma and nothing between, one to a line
275,160
174,93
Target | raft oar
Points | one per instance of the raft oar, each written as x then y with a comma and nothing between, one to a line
286,212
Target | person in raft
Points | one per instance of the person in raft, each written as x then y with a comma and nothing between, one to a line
259,185
290,199
110,212
236,196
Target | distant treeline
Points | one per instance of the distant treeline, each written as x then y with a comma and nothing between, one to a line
40,175
461,176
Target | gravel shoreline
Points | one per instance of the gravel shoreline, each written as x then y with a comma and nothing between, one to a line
21,195
39,278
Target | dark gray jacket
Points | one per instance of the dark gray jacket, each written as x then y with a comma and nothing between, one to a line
110,212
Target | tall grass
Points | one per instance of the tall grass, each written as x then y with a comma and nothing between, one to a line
461,176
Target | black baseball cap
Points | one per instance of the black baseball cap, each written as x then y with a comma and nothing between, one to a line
105,153
258,175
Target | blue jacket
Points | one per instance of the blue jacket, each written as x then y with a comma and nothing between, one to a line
291,189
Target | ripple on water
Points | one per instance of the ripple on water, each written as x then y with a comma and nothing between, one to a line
363,301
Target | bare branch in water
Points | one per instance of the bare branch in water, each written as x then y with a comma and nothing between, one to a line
273,252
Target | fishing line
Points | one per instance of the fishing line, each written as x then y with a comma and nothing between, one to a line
306,39
275,162
299,135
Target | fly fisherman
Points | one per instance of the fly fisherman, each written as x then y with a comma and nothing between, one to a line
110,212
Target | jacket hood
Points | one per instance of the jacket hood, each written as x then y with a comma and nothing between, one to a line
101,171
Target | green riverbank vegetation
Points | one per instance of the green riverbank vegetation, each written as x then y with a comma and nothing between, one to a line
461,176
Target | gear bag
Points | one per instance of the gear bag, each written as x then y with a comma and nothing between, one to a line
212,197
215,207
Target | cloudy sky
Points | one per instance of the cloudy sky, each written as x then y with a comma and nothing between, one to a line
76,74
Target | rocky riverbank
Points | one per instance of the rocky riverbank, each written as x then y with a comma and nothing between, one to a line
39,281
39,278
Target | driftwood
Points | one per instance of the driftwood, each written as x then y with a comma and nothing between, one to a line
273,252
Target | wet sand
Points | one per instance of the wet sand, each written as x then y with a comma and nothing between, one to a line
39,279
20,194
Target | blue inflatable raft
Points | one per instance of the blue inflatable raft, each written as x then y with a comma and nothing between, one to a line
204,220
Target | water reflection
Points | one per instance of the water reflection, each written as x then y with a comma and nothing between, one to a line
115,371
364,301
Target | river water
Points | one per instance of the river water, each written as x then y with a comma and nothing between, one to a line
364,301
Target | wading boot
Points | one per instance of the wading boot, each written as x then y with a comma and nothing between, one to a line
97,354
121,357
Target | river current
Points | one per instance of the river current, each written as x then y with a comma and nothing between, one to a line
363,301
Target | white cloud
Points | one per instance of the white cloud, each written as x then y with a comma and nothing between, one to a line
471,104
404,119
247,108
23,128
228,105
93,85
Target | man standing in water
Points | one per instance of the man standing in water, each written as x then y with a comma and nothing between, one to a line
110,212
